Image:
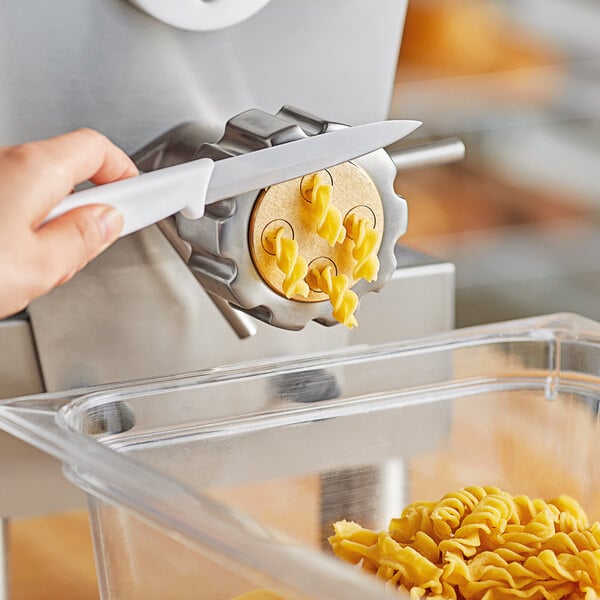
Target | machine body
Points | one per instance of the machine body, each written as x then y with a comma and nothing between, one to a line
138,311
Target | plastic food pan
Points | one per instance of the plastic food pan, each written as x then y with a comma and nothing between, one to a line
219,483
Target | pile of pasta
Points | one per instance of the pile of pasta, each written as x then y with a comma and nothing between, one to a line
481,543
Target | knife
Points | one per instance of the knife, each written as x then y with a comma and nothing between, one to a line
188,187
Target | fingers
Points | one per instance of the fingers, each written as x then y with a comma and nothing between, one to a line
68,243
36,176
86,154
43,173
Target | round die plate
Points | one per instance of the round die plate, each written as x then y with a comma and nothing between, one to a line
288,205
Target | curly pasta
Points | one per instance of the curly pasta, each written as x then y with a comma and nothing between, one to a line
365,239
481,543
289,260
327,218
344,300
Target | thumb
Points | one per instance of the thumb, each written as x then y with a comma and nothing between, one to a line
70,241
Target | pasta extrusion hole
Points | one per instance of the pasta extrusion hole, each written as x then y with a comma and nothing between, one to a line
318,264
362,211
269,232
307,183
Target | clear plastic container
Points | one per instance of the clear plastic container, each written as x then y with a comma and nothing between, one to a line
219,483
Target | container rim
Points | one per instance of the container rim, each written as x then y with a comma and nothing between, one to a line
548,328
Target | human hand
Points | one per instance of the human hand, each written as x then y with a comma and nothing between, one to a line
34,177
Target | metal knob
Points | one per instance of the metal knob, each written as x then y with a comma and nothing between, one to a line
433,154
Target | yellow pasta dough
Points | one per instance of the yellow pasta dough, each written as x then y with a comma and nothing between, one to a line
364,252
290,262
343,300
481,543
327,218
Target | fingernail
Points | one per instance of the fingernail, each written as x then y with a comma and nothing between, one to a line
111,223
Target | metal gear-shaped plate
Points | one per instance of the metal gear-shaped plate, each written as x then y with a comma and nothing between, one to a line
228,256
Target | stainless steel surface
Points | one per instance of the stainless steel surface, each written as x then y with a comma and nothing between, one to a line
428,155
221,259
36,481
19,369
140,293
104,64
418,300
293,153
241,324
37,485
343,494
169,230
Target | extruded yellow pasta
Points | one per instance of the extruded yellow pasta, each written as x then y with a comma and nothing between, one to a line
365,239
290,262
481,543
327,218
343,300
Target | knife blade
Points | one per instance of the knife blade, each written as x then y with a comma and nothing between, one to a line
262,168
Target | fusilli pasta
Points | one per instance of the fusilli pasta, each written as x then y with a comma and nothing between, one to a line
289,260
481,543
365,239
343,300
327,218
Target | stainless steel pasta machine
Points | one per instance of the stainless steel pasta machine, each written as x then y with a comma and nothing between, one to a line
138,311
224,249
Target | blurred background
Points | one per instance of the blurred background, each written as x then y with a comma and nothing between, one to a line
519,82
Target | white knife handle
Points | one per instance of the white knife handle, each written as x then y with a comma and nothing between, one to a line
150,197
